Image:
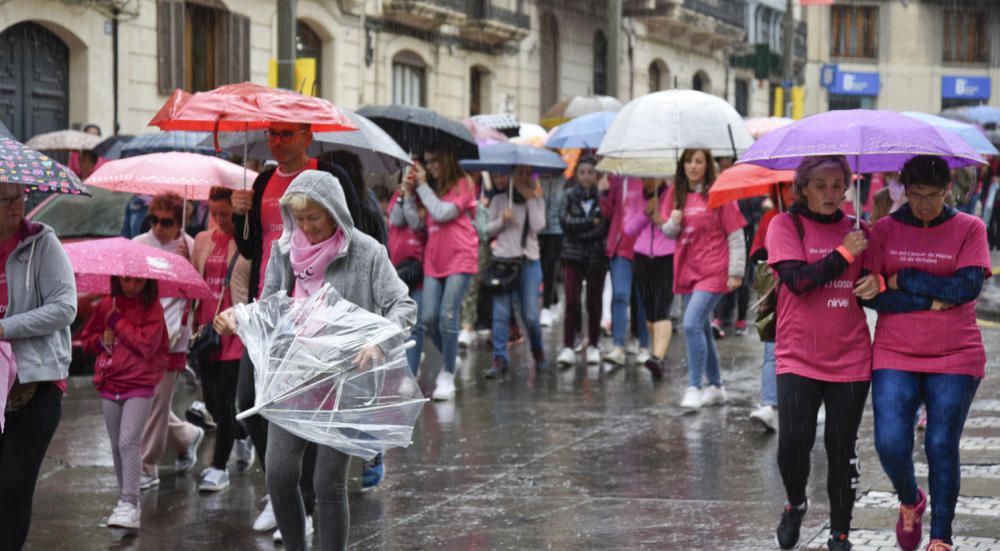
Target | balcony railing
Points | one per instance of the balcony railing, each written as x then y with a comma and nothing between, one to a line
509,12
731,12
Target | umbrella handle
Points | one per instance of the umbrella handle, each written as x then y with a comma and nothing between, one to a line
246,218
249,413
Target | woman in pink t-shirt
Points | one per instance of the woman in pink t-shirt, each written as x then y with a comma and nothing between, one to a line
822,344
450,257
928,347
709,261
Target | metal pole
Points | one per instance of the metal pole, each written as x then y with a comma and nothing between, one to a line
614,45
287,10
787,61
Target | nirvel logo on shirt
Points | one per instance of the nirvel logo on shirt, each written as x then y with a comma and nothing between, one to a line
837,303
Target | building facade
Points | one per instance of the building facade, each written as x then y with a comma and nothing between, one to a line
920,55
72,62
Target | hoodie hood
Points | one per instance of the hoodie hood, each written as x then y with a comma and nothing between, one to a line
325,190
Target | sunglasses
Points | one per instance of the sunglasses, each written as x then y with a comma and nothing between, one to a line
166,223
283,135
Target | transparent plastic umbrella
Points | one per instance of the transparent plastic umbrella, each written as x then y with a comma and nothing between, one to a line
309,379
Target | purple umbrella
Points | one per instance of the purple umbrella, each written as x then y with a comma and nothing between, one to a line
872,141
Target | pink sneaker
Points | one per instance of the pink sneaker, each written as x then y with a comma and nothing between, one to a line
909,529
938,545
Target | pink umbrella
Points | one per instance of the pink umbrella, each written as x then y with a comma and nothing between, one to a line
95,261
483,135
189,174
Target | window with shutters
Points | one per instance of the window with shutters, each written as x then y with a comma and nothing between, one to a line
854,31
965,37
200,45
600,64
409,76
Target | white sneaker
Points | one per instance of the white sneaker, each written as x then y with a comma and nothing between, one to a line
265,520
466,338
245,454
444,386
185,461
593,355
213,480
642,355
545,318
566,357
125,515
765,417
309,531
713,395
616,356
821,416
692,398
632,347
148,481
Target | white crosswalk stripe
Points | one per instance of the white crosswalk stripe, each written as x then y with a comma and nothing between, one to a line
976,506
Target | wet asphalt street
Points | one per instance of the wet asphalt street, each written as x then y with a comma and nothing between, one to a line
563,459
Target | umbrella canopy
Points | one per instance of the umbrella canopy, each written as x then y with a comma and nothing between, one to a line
746,180
64,140
968,132
759,126
483,135
164,142
417,128
584,132
577,106
379,153
987,116
504,157
503,122
23,166
111,147
652,132
188,174
247,106
308,379
95,261
872,141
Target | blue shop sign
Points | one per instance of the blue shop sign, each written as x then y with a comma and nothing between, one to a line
849,83
965,87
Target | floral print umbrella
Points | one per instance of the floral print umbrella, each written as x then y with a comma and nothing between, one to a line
21,165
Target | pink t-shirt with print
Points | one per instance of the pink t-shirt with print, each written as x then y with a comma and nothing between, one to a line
821,334
453,246
216,267
927,341
701,261
404,242
270,212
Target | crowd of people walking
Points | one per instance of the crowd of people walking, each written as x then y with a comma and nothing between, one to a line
454,251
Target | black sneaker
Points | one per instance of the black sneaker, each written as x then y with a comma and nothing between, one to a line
787,534
497,370
838,542
655,367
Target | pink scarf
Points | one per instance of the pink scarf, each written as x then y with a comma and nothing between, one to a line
309,261
8,373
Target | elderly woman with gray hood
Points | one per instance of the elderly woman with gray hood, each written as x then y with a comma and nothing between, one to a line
319,245
37,304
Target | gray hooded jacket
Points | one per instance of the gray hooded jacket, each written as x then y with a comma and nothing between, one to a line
362,273
41,292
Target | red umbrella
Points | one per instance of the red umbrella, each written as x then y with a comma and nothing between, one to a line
744,180
247,106
95,261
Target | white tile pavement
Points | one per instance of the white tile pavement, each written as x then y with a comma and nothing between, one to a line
967,505
885,540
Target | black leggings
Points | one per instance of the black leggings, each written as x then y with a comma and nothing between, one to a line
549,248
26,436
218,380
655,276
799,399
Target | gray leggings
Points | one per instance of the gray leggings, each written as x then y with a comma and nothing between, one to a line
284,471
125,420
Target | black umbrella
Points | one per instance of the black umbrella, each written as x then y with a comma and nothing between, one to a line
111,147
417,129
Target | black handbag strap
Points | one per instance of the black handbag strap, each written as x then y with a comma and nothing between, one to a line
524,231
225,283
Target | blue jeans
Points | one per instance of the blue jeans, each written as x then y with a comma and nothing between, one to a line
417,335
702,356
527,295
621,295
769,377
440,313
896,395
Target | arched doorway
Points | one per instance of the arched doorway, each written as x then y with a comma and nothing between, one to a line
701,82
479,90
34,80
659,75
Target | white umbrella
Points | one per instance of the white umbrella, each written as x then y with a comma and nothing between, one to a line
379,153
61,140
650,133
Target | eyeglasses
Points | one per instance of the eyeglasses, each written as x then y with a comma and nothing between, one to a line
921,198
165,223
8,202
284,136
